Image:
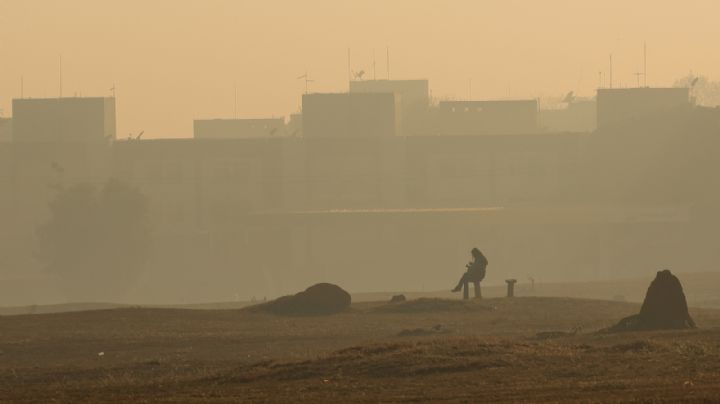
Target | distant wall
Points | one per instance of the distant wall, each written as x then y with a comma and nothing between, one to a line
578,116
238,128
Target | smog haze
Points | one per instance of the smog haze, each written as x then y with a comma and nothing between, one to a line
175,61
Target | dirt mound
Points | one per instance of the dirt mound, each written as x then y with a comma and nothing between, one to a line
664,307
423,305
319,299
398,298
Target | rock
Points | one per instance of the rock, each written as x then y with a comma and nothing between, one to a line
398,299
665,307
319,299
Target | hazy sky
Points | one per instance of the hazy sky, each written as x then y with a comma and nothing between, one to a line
176,60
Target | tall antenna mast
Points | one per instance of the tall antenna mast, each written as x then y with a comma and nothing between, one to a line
611,72
645,62
388,63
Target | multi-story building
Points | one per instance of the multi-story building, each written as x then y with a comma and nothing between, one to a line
64,119
617,106
413,98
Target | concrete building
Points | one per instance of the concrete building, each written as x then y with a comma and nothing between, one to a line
412,95
238,128
350,115
5,129
64,119
618,105
510,117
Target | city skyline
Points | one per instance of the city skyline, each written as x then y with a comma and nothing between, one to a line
191,68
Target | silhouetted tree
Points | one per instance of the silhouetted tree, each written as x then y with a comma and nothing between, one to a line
705,92
96,241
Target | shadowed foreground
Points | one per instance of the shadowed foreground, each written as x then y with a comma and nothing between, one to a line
494,350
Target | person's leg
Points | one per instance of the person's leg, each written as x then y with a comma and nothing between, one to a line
463,280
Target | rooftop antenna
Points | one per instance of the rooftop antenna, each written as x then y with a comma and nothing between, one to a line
112,89
611,72
388,62
637,76
307,80
60,68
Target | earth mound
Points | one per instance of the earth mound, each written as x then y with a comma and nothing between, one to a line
398,299
319,299
664,307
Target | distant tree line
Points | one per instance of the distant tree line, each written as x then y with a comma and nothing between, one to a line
97,240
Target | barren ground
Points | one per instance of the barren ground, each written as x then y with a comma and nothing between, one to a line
494,350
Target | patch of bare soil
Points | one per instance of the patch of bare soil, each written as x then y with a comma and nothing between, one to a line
359,355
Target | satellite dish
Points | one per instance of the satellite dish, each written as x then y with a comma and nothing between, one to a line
570,97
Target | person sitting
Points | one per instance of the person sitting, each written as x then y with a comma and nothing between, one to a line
475,270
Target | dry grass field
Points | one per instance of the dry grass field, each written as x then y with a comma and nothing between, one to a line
496,350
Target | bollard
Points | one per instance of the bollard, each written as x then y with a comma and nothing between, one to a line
510,287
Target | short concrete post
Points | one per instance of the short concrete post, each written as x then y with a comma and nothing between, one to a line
510,287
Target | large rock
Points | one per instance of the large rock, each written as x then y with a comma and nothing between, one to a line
322,298
664,307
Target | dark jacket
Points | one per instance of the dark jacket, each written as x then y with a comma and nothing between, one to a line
476,268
